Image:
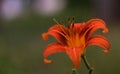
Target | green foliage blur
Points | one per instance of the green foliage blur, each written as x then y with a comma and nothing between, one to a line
21,44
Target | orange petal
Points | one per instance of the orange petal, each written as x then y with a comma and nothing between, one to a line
52,48
94,24
75,56
78,27
99,41
57,31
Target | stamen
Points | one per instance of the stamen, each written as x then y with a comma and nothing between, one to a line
69,22
66,35
55,21
73,19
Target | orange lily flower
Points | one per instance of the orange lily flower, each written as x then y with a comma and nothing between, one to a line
74,39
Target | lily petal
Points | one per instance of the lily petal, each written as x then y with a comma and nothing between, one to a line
78,27
57,31
51,49
94,24
75,56
99,41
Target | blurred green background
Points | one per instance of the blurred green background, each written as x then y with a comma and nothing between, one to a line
21,44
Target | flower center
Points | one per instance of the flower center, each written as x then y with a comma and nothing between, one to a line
76,41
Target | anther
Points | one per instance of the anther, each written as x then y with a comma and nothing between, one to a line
73,19
69,22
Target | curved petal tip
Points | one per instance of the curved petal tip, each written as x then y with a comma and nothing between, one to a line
105,30
45,36
46,61
105,51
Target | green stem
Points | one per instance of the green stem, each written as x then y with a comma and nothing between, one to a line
74,71
87,64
